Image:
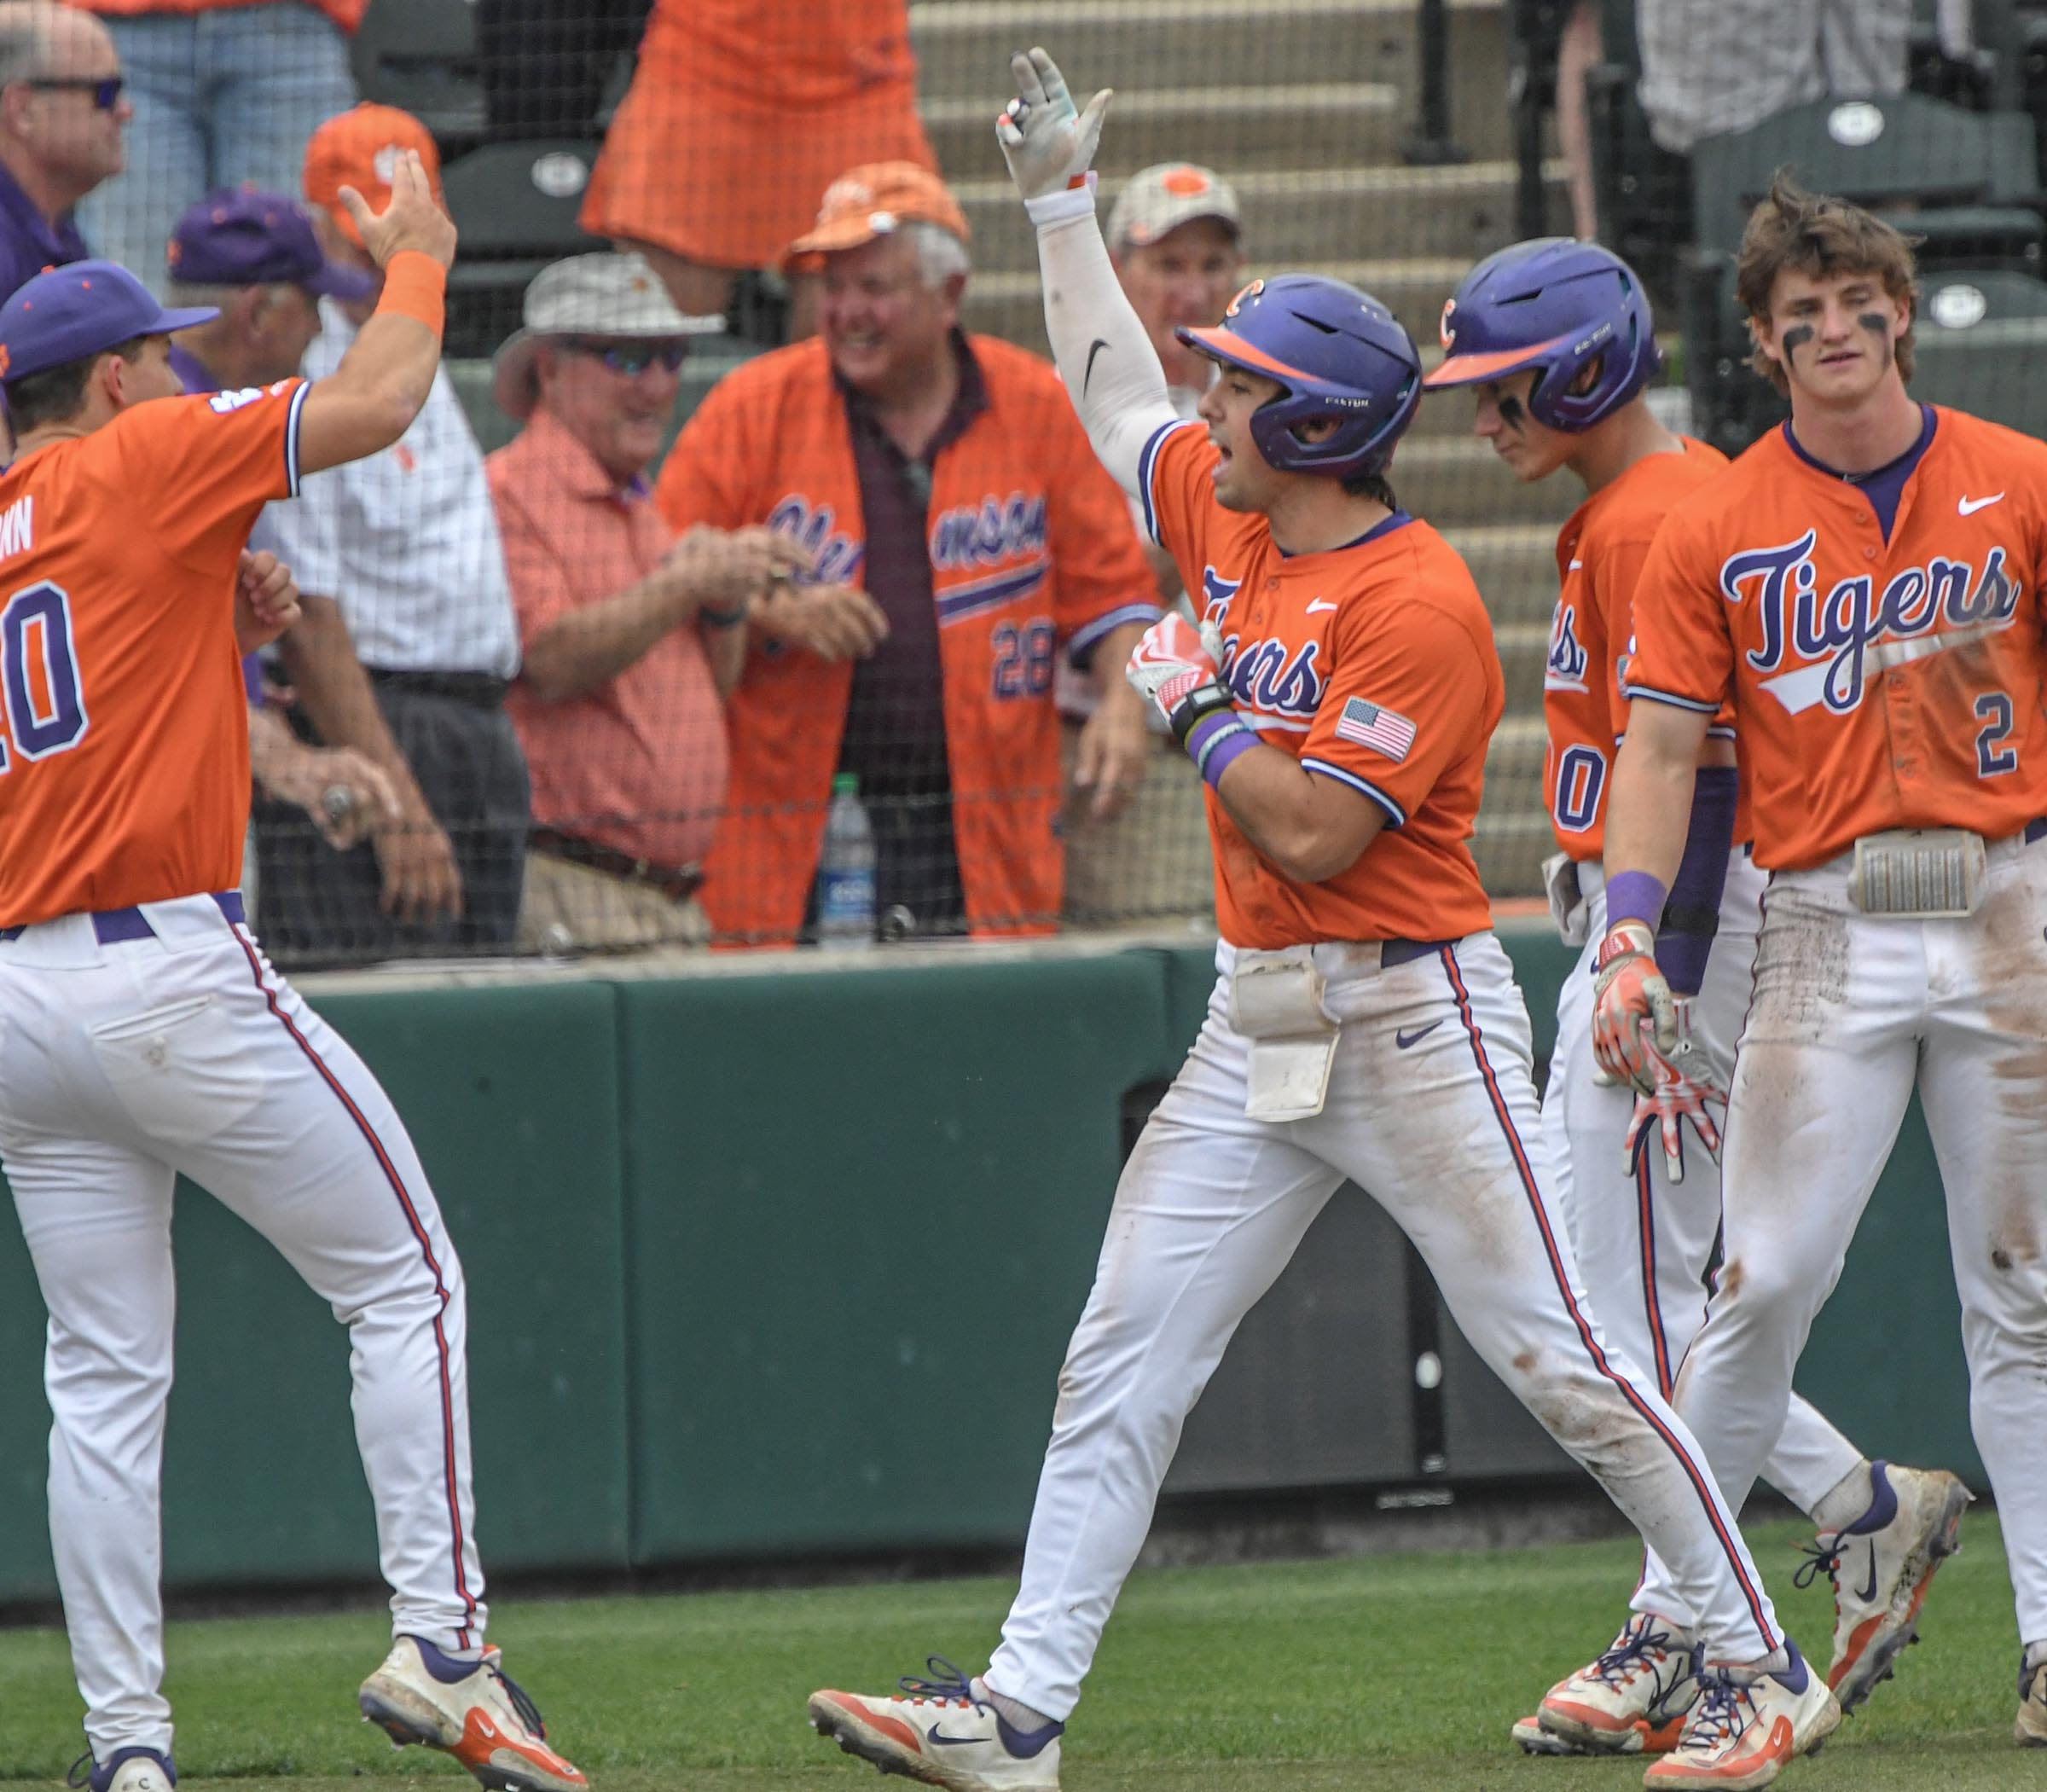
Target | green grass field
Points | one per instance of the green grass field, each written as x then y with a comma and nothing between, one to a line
1390,1672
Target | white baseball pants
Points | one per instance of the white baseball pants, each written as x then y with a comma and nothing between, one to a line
1432,1108
1643,1241
122,1065
1850,1012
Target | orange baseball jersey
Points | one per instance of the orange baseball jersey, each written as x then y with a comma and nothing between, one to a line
1600,556
1373,665
1032,553
1875,685
124,754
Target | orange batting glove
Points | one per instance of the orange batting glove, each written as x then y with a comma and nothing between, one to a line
1632,1006
1684,1084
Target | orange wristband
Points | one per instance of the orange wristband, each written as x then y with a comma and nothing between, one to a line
416,286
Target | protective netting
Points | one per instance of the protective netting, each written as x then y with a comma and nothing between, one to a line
552,695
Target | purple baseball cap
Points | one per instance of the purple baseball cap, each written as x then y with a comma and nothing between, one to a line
84,308
247,238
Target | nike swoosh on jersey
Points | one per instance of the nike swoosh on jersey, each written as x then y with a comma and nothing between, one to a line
1969,506
1320,604
1575,566
1404,1039
1094,348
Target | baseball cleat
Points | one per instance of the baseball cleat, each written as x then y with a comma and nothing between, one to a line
1747,1725
1631,1700
1535,1740
473,1711
127,1770
1882,1567
2030,1732
943,1731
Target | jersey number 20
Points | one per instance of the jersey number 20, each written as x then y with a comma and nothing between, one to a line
39,675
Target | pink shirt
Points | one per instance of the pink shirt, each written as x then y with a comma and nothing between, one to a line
637,764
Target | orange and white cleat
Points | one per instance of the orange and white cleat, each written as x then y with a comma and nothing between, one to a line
943,1730
473,1710
1882,1567
1747,1725
1631,1700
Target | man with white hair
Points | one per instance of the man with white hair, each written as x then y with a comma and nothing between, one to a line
962,536
62,112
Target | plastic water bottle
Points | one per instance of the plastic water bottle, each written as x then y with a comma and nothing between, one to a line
845,871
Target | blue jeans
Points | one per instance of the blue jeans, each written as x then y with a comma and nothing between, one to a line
221,99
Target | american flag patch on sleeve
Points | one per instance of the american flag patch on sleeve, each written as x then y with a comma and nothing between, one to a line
1384,731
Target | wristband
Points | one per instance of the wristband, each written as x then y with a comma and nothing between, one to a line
1216,741
1065,205
1634,896
416,286
722,619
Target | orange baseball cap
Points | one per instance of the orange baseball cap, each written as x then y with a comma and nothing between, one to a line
872,200
359,149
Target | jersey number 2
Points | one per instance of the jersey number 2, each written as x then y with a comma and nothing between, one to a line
39,672
1994,710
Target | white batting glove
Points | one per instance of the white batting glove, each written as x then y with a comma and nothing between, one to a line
1682,1084
1047,142
1173,662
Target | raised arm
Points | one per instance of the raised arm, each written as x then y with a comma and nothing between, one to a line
370,400
1105,356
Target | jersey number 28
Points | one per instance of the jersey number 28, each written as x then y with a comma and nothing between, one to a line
39,675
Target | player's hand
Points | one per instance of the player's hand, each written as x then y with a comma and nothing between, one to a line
1174,661
266,599
834,621
347,794
421,880
1684,1084
1632,1006
1112,754
1048,144
413,219
728,568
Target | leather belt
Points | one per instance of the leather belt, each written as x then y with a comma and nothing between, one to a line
679,883
1405,952
115,926
479,690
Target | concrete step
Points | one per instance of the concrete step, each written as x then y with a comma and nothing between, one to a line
1514,836
1524,653
1516,566
1457,481
1317,218
1235,130
963,46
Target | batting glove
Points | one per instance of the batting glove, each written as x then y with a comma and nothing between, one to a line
1684,1084
1048,144
1632,1006
1180,670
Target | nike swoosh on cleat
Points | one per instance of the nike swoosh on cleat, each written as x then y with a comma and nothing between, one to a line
1404,1039
1095,348
1869,1592
937,1735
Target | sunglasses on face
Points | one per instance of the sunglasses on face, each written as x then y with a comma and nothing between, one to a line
106,90
630,358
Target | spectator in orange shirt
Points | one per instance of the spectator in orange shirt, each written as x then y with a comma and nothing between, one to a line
739,117
631,637
964,537
225,92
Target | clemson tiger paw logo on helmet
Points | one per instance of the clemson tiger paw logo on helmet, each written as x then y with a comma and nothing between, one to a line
1447,330
1237,303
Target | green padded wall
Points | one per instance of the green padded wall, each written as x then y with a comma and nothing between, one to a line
865,1213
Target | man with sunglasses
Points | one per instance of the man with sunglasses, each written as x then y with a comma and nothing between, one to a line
401,551
61,116
632,636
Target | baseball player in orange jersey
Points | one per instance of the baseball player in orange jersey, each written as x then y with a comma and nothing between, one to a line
145,1035
1338,698
1557,338
1865,583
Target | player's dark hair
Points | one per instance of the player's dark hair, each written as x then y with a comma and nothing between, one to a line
58,393
1371,485
1822,238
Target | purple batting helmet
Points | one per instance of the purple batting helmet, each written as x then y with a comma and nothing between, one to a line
1561,306
1338,352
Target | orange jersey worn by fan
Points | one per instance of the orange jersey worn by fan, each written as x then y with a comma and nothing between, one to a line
125,770
1372,665
1600,556
1880,684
